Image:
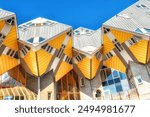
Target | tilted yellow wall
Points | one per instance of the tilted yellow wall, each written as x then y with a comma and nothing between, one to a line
44,59
11,39
63,70
95,66
121,36
65,67
115,63
6,62
57,42
107,44
85,67
139,50
68,49
30,60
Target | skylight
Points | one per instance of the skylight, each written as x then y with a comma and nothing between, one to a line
36,40
83,31
142,30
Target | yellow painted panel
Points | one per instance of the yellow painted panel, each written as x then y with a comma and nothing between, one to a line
11,39
148,56
68,49
121,36
7,63
115,63
30,60
44,59
2,23
63,70
95,66
84,67
108,45
57,42
139,50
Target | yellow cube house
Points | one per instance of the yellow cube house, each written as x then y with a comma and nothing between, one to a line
8,41
45,45
87,52
126,37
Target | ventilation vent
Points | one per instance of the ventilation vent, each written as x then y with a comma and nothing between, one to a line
47,48
25,50
68,59
109,55
49,23
23,28
142,6
11,21
79,58
12,53
30,24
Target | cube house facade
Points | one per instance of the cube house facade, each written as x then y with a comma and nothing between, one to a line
47,60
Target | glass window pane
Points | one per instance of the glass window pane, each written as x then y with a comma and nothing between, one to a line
122,76
104,83
49,95
108,72
115,74
21,97
117,80
31,40
8,98
112,89
125,85
118,87
110,77
16,97
110,82
41,39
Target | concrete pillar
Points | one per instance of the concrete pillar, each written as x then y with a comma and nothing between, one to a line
39,89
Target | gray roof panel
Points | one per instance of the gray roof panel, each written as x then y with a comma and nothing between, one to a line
41,28
4,13
135,18
87,40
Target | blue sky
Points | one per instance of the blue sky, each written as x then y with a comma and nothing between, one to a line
85,13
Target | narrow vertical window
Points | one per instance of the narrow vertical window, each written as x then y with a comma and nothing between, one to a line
49,95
